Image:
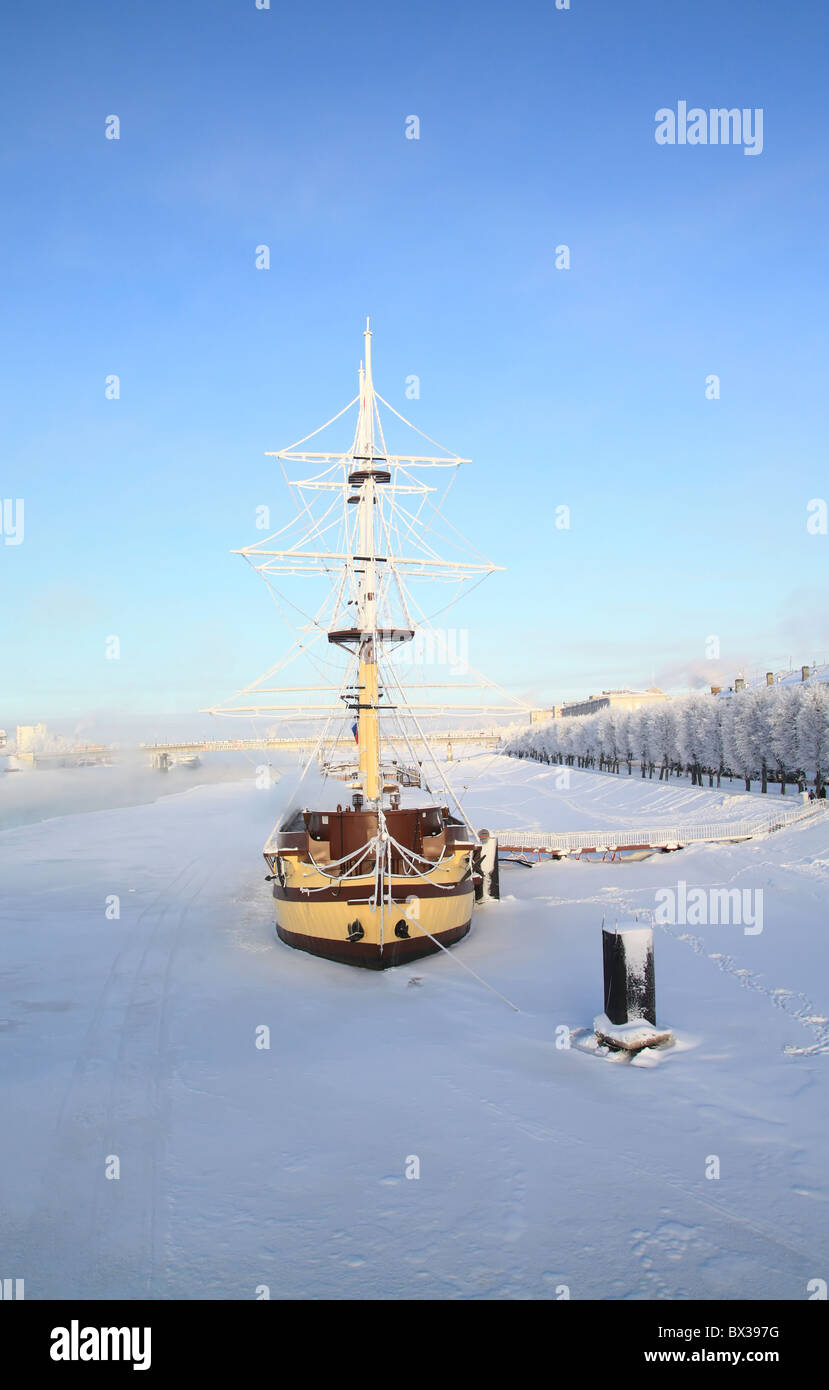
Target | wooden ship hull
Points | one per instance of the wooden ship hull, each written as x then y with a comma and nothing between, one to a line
333,899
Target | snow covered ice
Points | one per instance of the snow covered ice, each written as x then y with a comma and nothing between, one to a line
542,1168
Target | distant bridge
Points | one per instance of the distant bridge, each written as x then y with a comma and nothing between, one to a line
489,737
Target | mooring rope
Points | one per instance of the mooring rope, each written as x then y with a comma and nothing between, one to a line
458,961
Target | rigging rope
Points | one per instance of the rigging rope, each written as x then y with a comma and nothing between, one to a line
319,430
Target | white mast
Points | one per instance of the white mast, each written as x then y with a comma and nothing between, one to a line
364,455
367,681
388,538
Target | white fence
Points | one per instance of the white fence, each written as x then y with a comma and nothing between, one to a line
662,837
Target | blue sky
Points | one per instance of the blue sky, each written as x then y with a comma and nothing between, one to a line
583,387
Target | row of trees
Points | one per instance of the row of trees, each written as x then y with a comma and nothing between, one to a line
776,734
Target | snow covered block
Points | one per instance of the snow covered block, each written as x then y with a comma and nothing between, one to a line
632,1036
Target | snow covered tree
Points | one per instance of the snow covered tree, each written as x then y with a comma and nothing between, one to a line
713,737
749,746
641,735
763,731
783,735
624,737
691,736
564,742
608,745
812,733
663,720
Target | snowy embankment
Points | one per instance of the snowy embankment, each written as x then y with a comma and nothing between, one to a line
540,1166
500,791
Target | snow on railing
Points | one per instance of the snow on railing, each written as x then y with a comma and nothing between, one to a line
656,838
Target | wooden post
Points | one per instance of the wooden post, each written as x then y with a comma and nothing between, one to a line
486,862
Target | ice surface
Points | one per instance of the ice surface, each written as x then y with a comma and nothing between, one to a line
242,1166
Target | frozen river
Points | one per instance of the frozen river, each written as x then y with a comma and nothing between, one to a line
134,1038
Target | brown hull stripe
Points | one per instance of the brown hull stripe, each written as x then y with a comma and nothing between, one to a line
395,952
344,894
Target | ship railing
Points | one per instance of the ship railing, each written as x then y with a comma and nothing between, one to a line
403,861
358,855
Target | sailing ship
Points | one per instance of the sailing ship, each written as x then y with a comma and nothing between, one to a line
381,867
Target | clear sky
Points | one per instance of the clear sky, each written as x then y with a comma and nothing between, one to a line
583,388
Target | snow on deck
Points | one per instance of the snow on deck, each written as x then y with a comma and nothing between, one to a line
540,1165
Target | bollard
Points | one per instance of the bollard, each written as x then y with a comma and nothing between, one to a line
629,1018
629,988
485,863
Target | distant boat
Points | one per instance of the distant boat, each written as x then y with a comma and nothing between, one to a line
389,877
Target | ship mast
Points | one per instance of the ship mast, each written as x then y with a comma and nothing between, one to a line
368,611
366,477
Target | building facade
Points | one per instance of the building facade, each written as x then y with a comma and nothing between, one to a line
613,699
